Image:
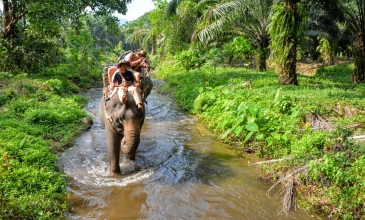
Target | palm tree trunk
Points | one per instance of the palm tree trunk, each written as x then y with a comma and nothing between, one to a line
288,75
262,60
263,54
358,75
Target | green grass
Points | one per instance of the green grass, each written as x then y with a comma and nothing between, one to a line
309,123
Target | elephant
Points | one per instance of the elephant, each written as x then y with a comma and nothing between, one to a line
122,129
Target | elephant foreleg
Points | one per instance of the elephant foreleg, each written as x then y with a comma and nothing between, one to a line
113,142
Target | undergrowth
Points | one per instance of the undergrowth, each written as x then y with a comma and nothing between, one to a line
308,126
39,118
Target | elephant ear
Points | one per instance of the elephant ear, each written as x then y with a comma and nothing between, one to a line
107,111
109,105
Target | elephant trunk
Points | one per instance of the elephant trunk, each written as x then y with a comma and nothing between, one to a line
131,138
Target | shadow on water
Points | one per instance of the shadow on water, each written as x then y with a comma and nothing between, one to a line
186,173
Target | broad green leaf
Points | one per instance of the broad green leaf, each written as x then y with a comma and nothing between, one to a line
294,113
251,119
248,136
269,142
265,109
225,91
284,137
222,124
226,133
200,89
252,127
242,109
238,122
254,110
259,137
238,130
275,135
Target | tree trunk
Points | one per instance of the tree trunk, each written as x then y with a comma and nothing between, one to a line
288,75
358,75
12,15
313,50
263,55
262,60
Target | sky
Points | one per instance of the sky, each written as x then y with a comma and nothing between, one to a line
136,9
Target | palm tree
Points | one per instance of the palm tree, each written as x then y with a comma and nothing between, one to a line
285,31
322,26
355,16
140,32
249,18
105,33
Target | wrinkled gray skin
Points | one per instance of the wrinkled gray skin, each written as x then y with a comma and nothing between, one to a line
123,133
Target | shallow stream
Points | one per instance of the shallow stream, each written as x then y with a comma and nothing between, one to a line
187,173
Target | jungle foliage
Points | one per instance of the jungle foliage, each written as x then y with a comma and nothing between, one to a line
285,30
32,31
311,125
49,47
49,51
40,116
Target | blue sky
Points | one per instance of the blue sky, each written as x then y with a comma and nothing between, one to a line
136,9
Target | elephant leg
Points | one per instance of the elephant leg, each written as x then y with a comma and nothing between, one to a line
113,142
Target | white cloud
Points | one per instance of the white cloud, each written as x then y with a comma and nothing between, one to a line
136,9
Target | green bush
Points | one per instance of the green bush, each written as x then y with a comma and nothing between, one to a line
6,95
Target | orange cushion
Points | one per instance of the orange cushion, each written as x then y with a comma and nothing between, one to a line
111,71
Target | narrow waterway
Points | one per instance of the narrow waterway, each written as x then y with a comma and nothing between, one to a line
186,173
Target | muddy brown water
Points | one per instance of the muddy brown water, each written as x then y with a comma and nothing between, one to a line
186,173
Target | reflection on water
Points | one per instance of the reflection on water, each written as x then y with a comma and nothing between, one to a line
186,173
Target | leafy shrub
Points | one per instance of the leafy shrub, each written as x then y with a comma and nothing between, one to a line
30,55
42,117
7,121
237,50
6,95
55,85
30,181
5,76
190,58
309,143
70,87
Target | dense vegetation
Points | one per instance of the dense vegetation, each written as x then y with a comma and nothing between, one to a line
49,52
36,123
309,126
303,125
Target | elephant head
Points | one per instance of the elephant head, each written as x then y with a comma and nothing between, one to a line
123,123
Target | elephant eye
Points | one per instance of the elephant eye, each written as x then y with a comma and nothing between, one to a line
115,105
